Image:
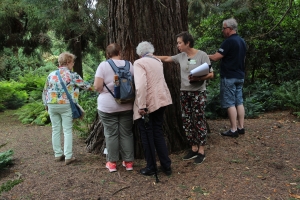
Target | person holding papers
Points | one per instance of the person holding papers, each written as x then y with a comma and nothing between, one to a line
192,93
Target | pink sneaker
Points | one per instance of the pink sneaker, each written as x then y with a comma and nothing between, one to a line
111,166
128,165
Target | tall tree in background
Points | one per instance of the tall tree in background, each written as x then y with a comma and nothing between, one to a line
20,28
156,21
81,24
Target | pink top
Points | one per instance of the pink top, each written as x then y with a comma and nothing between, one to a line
152,91
105,101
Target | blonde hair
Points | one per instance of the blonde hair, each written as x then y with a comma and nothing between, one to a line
65,58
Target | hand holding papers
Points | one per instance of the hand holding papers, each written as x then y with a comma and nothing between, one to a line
200,70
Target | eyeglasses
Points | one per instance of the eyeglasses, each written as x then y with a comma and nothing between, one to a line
225,28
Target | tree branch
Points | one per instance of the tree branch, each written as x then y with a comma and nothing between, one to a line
286,12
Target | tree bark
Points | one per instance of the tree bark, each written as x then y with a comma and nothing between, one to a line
156,21
76,48
75,43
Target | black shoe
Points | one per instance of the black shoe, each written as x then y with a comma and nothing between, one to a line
147,172
199,159
241,131
167,171
190,155
230,133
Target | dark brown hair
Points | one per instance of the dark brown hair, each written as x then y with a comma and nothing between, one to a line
186,37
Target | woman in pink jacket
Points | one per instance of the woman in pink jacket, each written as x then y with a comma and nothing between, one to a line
152,97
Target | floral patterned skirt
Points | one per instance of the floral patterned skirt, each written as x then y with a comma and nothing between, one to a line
194,122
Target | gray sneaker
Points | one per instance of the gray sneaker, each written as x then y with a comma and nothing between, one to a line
199,159
69,161
190,155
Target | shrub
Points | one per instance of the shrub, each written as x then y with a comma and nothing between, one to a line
5,158
261,95
9,185
288,95
12,95
33,112
213,108
33,84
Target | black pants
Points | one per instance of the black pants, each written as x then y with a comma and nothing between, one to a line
153,139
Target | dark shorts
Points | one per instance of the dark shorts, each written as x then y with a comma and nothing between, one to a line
231,92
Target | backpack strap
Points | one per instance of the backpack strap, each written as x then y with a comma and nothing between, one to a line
115,68
112,64
109,90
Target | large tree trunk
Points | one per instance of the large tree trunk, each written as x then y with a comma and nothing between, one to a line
76,49
75,44
156,21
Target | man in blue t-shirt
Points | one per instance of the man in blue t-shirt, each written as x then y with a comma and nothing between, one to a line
232,54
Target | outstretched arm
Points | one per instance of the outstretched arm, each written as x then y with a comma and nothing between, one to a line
165,58
215,57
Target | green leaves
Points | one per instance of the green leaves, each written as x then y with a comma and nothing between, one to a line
5,158
12,95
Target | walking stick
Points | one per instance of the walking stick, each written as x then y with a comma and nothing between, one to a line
145,117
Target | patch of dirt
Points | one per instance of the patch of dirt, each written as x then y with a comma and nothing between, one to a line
262,164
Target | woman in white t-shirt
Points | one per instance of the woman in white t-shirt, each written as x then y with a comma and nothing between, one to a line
117,118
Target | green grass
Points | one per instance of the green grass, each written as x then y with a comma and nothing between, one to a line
5,187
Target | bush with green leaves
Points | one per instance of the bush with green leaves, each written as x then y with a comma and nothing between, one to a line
12,95
213,108
6,158
5,187
33,84
288,96
34,113
258,98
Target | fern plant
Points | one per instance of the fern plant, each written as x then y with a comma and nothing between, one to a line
288,95
5,158
12,95
33,112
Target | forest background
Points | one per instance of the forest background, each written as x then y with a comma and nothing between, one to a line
33,33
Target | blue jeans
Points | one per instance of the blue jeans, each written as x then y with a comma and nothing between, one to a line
61,117
231,92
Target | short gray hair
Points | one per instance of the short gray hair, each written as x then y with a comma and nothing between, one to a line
144,48
231,23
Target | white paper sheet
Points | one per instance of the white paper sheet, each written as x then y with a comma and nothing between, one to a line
200,70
